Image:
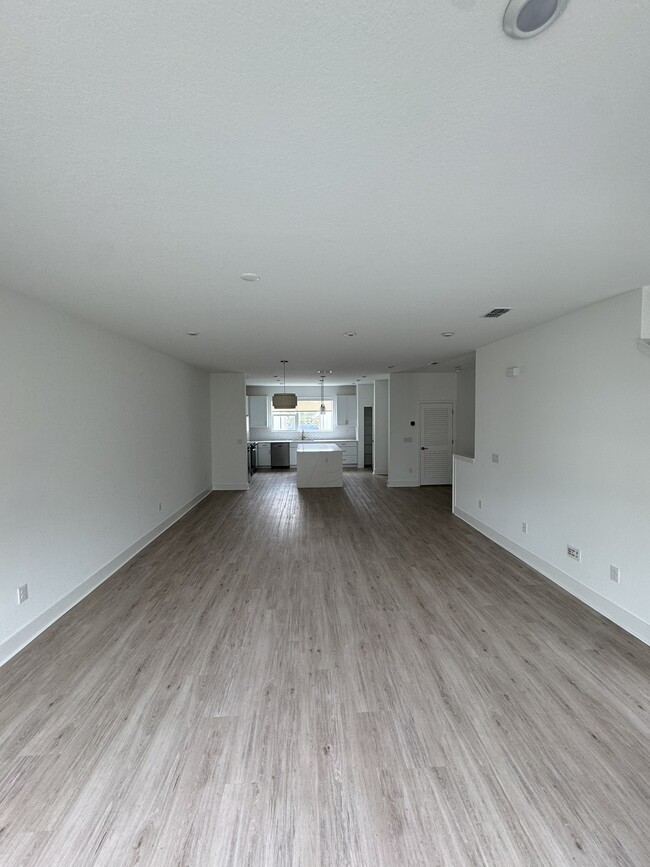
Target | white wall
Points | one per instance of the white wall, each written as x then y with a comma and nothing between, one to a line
380,427
228,431
96,432
465,412
573,437
407,392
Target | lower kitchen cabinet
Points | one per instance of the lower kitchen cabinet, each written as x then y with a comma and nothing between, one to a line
264,455
349,453
349,450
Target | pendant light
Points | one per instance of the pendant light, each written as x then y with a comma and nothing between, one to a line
284,400
322,395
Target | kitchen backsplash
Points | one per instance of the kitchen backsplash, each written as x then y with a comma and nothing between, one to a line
341,432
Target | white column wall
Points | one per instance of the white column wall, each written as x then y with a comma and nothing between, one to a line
228,431
380,426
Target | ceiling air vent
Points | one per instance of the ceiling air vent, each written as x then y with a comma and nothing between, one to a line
498,311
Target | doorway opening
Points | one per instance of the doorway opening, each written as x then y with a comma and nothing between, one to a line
367,437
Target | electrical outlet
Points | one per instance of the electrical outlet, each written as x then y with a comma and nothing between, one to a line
615,574
524,527
480,504
22,594
495,458
574,553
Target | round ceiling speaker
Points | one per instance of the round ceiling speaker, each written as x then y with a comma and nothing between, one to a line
526,18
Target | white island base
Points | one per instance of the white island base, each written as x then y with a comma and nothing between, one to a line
320,465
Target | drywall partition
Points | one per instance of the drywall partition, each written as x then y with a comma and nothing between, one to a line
228,431
645,313
103,443
571,435
464,428
380,427
643,343
407,392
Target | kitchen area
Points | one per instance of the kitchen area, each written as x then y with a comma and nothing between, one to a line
275,436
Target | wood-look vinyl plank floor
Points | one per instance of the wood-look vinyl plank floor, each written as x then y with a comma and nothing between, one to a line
326,677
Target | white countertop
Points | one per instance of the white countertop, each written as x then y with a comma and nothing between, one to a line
304,442
317,447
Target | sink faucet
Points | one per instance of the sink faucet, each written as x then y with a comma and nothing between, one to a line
303,434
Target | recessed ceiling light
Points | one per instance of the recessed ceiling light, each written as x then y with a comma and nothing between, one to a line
390,366
192,333
250,277
349,334
431,363
526,18
448,333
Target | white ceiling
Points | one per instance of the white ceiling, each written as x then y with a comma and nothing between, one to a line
391,168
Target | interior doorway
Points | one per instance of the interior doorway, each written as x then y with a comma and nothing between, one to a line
367,437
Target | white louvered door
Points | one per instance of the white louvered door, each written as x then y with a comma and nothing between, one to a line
436,443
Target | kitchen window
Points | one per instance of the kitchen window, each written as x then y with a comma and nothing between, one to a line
306,417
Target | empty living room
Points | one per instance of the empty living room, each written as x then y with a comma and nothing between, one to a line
324,434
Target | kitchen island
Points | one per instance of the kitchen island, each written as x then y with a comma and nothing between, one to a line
320,465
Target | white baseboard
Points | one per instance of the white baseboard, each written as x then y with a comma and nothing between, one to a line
236,486
402,483
625,619
12,645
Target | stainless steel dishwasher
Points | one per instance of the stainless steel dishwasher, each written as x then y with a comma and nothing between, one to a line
280,456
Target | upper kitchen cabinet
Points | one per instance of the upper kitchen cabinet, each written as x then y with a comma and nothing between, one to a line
258,410
346,409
